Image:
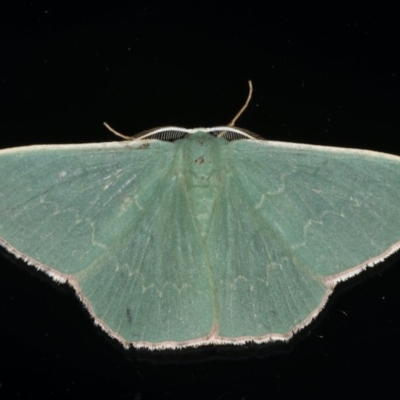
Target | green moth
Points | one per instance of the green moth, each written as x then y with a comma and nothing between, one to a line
213,237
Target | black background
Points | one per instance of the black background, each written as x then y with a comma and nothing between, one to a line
324,74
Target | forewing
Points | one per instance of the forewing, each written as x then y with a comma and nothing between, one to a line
335,208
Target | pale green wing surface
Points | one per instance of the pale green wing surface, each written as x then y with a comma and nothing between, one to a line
201,240
293,220
113,220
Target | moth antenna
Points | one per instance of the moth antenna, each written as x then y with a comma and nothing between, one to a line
241,111
115,132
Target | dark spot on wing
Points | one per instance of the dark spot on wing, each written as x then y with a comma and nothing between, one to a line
129,315
199,160
143,146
